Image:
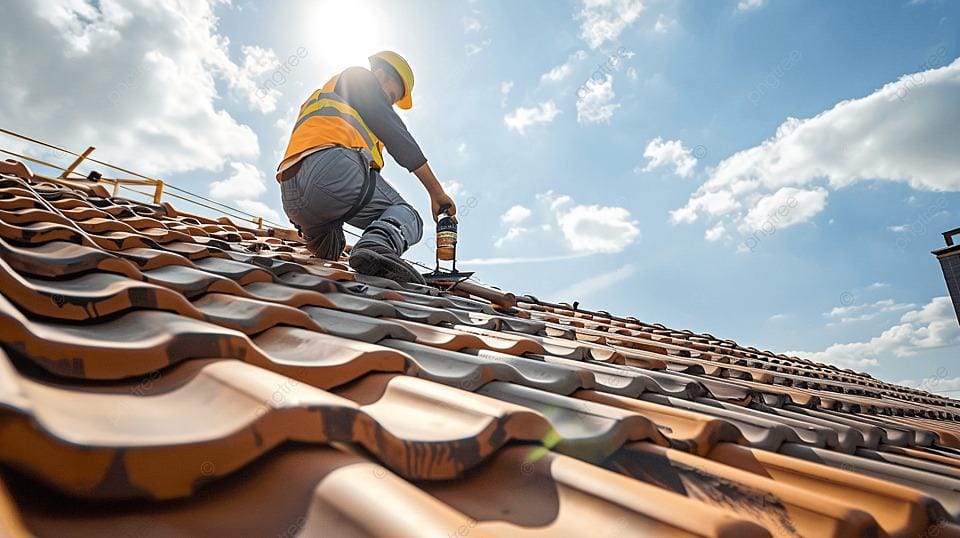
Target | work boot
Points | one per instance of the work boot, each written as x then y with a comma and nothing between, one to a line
376,260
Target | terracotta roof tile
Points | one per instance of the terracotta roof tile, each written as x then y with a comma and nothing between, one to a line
155,354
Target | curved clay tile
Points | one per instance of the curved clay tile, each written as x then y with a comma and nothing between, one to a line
241,273
122,240
149,258
13,203
278,293
810,432
760,433
900,510
583,429
784,509
251,316
944,490
88,297
191,282
194,249
542,493
143,224
308,281
356,327
686,430
312,491
99,225
164,235
667,383
468,371
34,215
135,343
464,337
423,314
563,378
606,378
42,232
64,259
324,360
210,418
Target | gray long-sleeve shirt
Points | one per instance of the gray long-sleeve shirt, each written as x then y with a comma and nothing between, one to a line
361,90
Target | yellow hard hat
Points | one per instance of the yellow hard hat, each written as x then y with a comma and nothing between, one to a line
406,75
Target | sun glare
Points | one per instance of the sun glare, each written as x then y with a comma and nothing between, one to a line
344,32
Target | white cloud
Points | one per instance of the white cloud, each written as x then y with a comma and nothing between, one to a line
242,189
260,209
519,260
512,218
244,80
593,284
565,69
513,233
931,327
523,117
749,5
663,24
865,312
713,203
594,101
632,73
584,229
592,228
898,228
777,317
142,78
604,20
462,148
452,188
784,208
660,152
938,383
904,132
247,181
878,285
716,232
515,215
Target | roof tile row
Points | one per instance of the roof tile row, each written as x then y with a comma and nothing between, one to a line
172,374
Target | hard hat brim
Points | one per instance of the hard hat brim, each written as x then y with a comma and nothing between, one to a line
405,102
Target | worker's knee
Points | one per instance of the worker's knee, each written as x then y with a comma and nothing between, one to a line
407,219
415,233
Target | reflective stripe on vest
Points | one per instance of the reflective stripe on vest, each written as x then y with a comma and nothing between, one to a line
325,118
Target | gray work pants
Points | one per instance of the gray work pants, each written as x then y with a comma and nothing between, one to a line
327,185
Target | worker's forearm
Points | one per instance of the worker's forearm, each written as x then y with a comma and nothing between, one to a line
430,182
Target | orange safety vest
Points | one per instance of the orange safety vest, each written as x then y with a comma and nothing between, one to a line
324,119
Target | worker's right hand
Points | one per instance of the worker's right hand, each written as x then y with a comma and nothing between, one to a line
441,199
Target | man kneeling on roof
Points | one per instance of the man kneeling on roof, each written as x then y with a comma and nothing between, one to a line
330,173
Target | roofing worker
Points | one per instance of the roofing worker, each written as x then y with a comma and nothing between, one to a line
330,173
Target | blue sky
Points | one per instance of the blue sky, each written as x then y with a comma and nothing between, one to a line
773,172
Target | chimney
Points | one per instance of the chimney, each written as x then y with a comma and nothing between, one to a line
949,257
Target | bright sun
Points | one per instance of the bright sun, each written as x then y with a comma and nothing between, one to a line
344,32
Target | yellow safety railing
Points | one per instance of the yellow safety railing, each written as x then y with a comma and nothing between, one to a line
157,188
